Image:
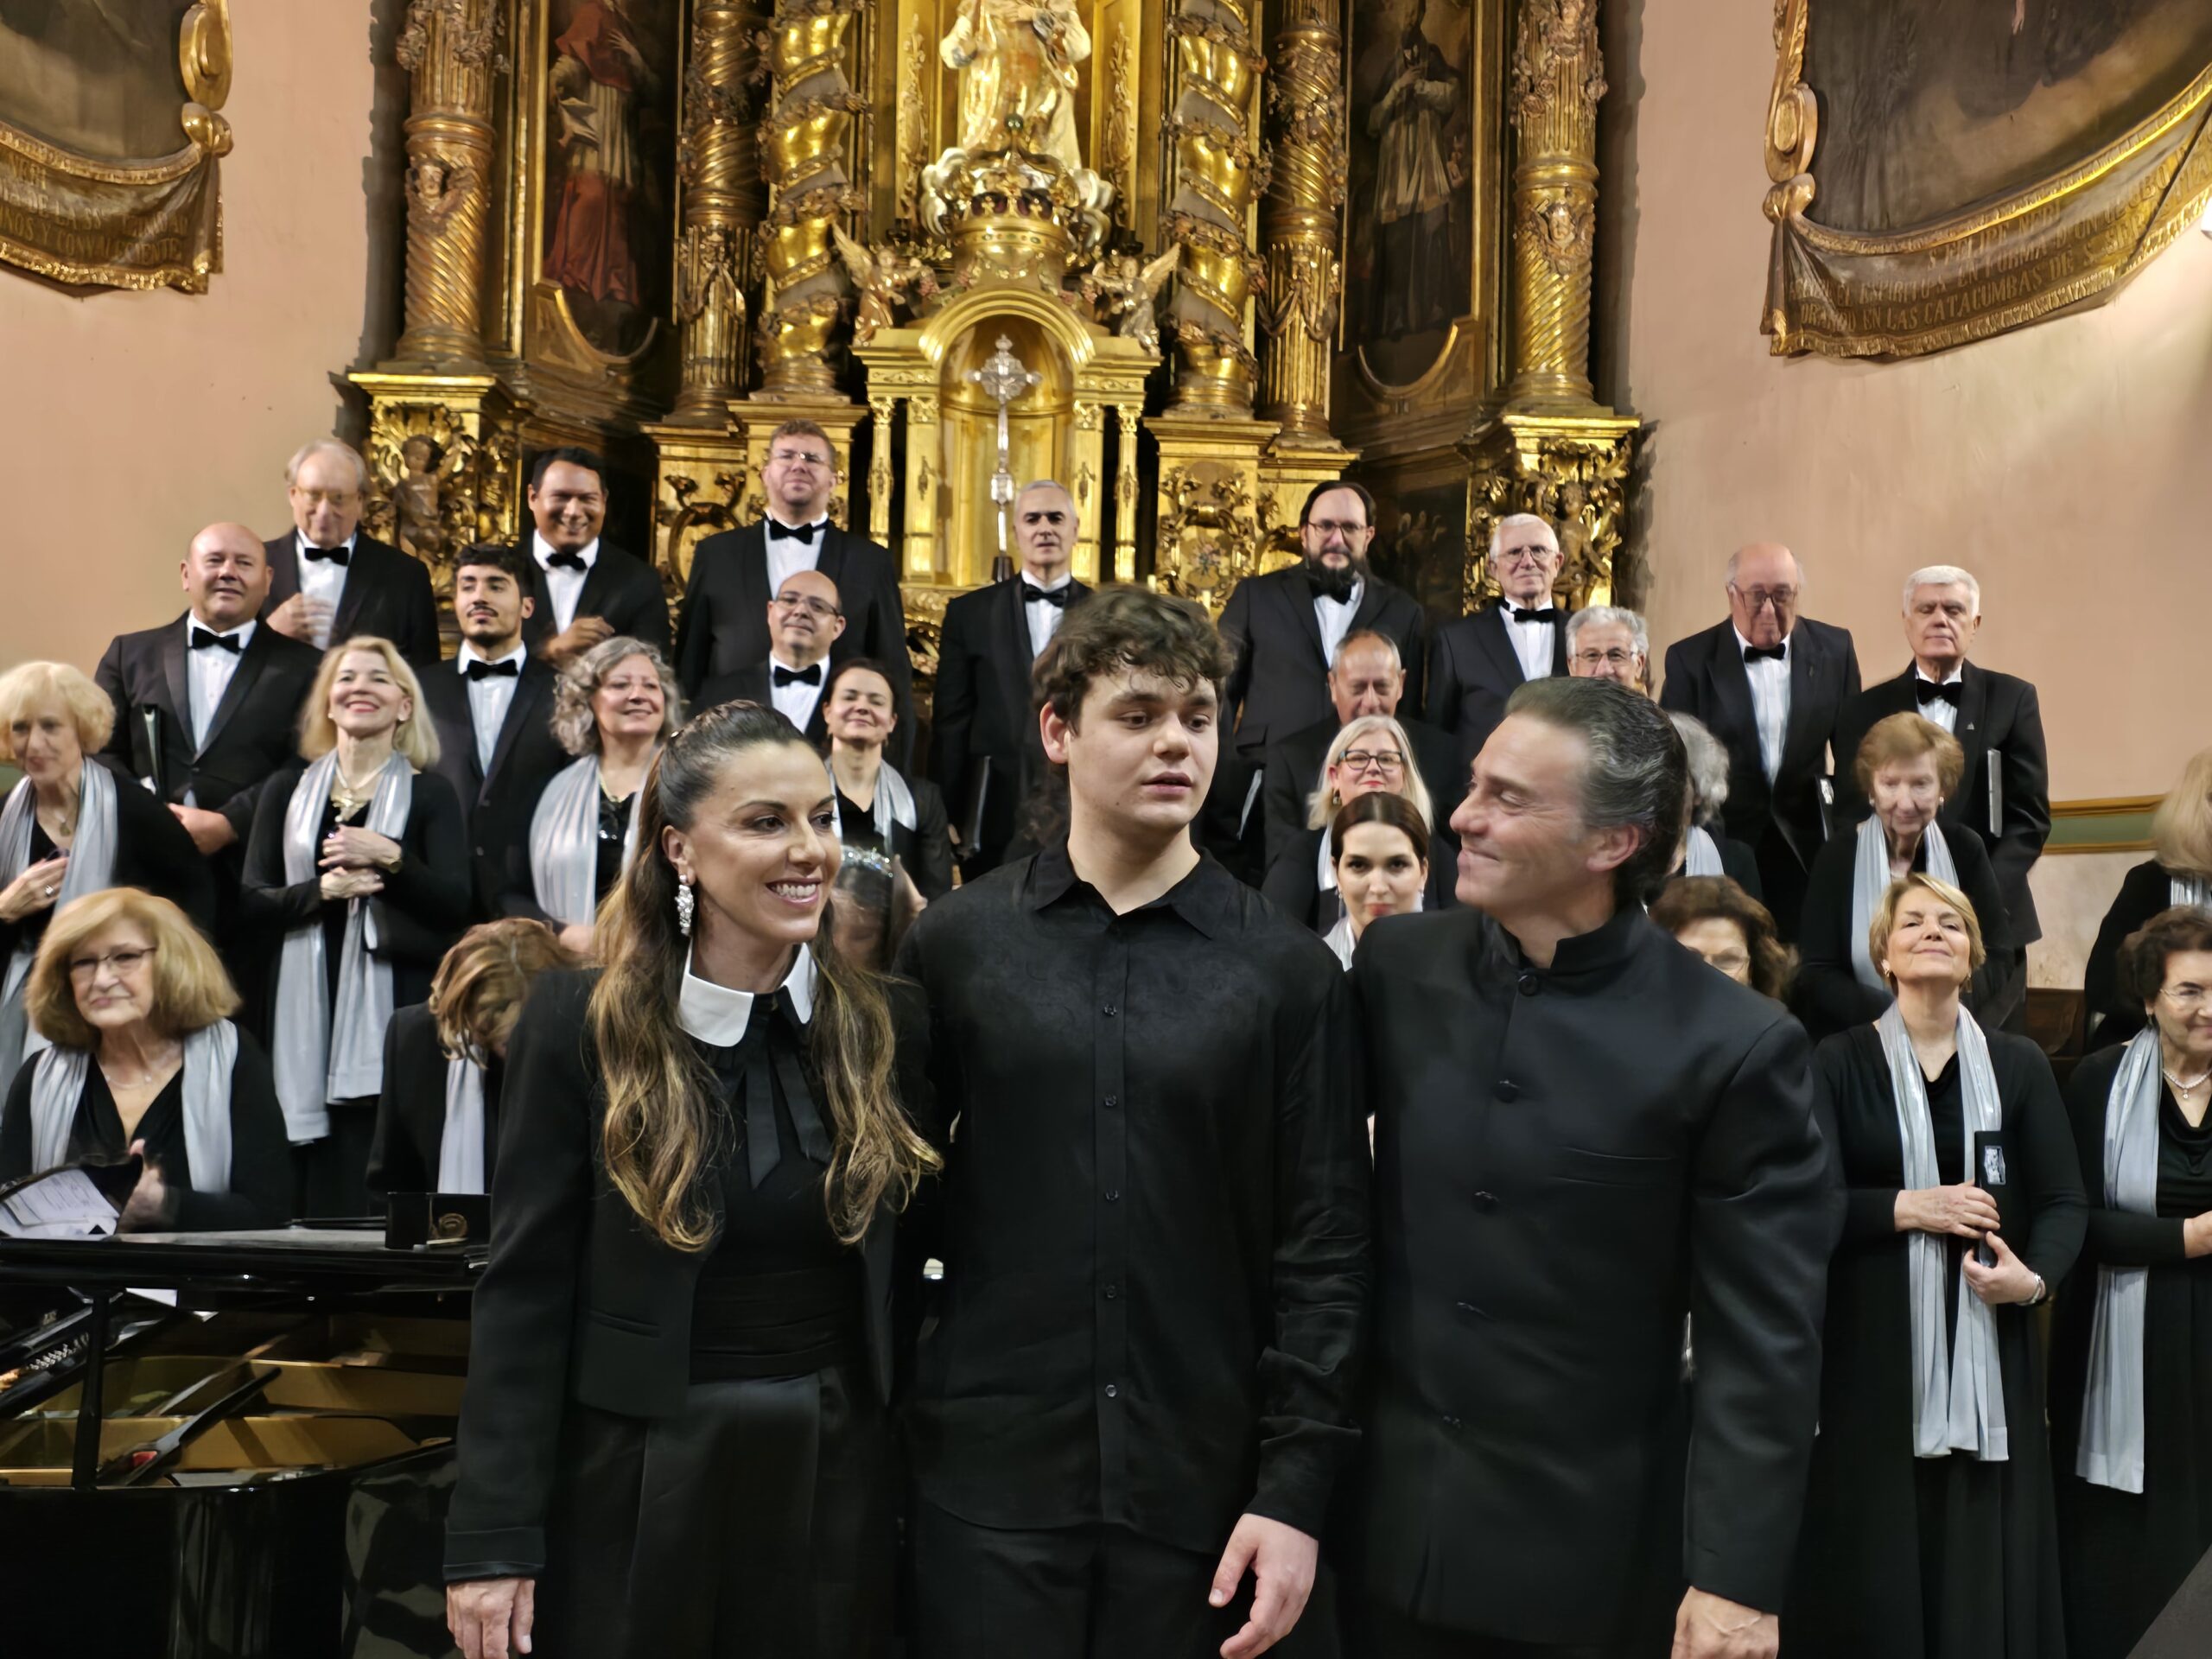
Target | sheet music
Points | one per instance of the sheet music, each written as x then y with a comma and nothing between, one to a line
65,1204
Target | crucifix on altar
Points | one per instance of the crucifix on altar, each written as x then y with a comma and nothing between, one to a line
1002,379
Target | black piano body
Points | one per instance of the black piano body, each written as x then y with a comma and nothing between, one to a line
274,1451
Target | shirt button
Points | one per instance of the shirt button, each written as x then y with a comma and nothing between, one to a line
1486,1200
1113,1390
1528,984
1113,1101
1113,1195
1507,1089
1111,1010
1113,1292
1451,1422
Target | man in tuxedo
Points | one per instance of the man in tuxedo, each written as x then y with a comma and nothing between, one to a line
1475,662
1284,626
327,580
735,573
805,621
583,591
1367,678
2004,794
1771,685
1547,1209
492,707
985,753
1609,642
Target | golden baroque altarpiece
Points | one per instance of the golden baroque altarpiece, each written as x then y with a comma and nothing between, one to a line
1191,256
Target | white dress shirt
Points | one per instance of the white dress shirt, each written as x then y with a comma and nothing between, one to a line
208,673
1945,715
489,699
1044,619
788,553
1769,678
715,1014
1536,644
322,581
1336,619
795,701
563,588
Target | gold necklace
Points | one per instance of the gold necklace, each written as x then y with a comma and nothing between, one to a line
349,797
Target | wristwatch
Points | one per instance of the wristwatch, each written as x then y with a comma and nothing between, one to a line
2042,1295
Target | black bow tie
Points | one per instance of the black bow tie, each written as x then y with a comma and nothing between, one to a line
338,556
1334,598
782,532
1931,692
1766,653
564,560
480,669
201,639
1549,613
784,677
1055,597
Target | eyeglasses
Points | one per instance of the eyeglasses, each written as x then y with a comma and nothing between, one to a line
1535,555
1598,658
326,498
1783,599
123,962
797,458
1379,759
2185,997
1335,526
821,608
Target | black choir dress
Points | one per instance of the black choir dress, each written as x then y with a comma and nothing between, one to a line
2126,1554
152,852
260,1181
2147,890
1934,1558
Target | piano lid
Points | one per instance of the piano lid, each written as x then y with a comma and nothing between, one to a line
304,1259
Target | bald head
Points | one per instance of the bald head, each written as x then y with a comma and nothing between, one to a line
1764,585
226,575
804,619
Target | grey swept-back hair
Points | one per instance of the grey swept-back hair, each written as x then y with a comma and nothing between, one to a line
1943,575
1708,769
1618,615
573,723
1047,484
1637,773
330,447
1513,521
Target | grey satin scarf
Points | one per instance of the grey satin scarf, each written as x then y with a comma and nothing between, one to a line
210,1054
331,1051
1701,853
91,869
1870,880
1958,1388
564,842
893,804
2112,1449
461,1149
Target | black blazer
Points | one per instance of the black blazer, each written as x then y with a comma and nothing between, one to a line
579,1301
1738,864
2147,890
254,732
260,1177
495,806
422,910
411,1112
1280,682
725,622
1996,712
387,593
751,685
1827,995
1293,883
619,587
153,852
984,711
1294,772
1472,671
1547,1209
1705,677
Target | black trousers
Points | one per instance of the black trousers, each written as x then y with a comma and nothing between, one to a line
1374,1631
1077,1592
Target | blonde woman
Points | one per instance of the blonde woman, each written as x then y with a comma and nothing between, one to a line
357,878
1369,755
2178,871
688,1299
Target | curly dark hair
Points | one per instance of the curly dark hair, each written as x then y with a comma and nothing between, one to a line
1689,899
1120,629
2143,953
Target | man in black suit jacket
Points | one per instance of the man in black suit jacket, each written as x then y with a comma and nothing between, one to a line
805,619
1547,1209
584,591
1284,626
985,752
1367,678
2004,796
724,626
1476,661
327,580
1776,715
493,696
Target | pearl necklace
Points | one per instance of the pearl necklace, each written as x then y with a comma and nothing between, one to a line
2181,1088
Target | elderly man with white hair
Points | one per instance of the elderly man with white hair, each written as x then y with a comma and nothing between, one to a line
1609,642
2004,794
1476,663
331,579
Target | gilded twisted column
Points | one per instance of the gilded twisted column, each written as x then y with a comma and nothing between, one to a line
1558,79
718,160
1298,219
1217,168
803,155
450,49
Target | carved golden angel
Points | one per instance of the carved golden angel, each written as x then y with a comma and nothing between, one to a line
1128,287
885,278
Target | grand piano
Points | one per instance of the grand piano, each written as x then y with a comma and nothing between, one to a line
258,1465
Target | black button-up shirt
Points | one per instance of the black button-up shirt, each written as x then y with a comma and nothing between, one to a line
1154,1217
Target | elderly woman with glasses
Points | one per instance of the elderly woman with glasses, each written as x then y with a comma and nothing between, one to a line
2178,871
1369,755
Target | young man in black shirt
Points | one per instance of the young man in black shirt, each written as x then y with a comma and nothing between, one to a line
1154,1222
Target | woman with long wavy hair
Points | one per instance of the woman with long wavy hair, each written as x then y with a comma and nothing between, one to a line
674,1441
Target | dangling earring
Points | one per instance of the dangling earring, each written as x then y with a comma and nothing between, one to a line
684,904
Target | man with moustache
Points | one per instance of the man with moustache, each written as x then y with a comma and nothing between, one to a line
583,591
805,621
329,580
492,706
2004,794
1476,661
1138,1386
1583,1134
1609,642
735,573
985,756
1771,685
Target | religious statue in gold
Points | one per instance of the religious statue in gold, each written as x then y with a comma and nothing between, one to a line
1017,62
1125,286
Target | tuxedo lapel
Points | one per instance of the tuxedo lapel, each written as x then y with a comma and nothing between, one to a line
1490,633
1559,644
591,597
358,580
1808,685
251,663
523,708
1299,596
283,571
1731,687
1974,738
1014,656
177,678
830,562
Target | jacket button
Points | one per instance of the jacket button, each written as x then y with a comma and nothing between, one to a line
1113,1390
1485,1201
1507,1089
1527,983
1113,1292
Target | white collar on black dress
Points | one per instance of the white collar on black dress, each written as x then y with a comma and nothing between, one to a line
717,1014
